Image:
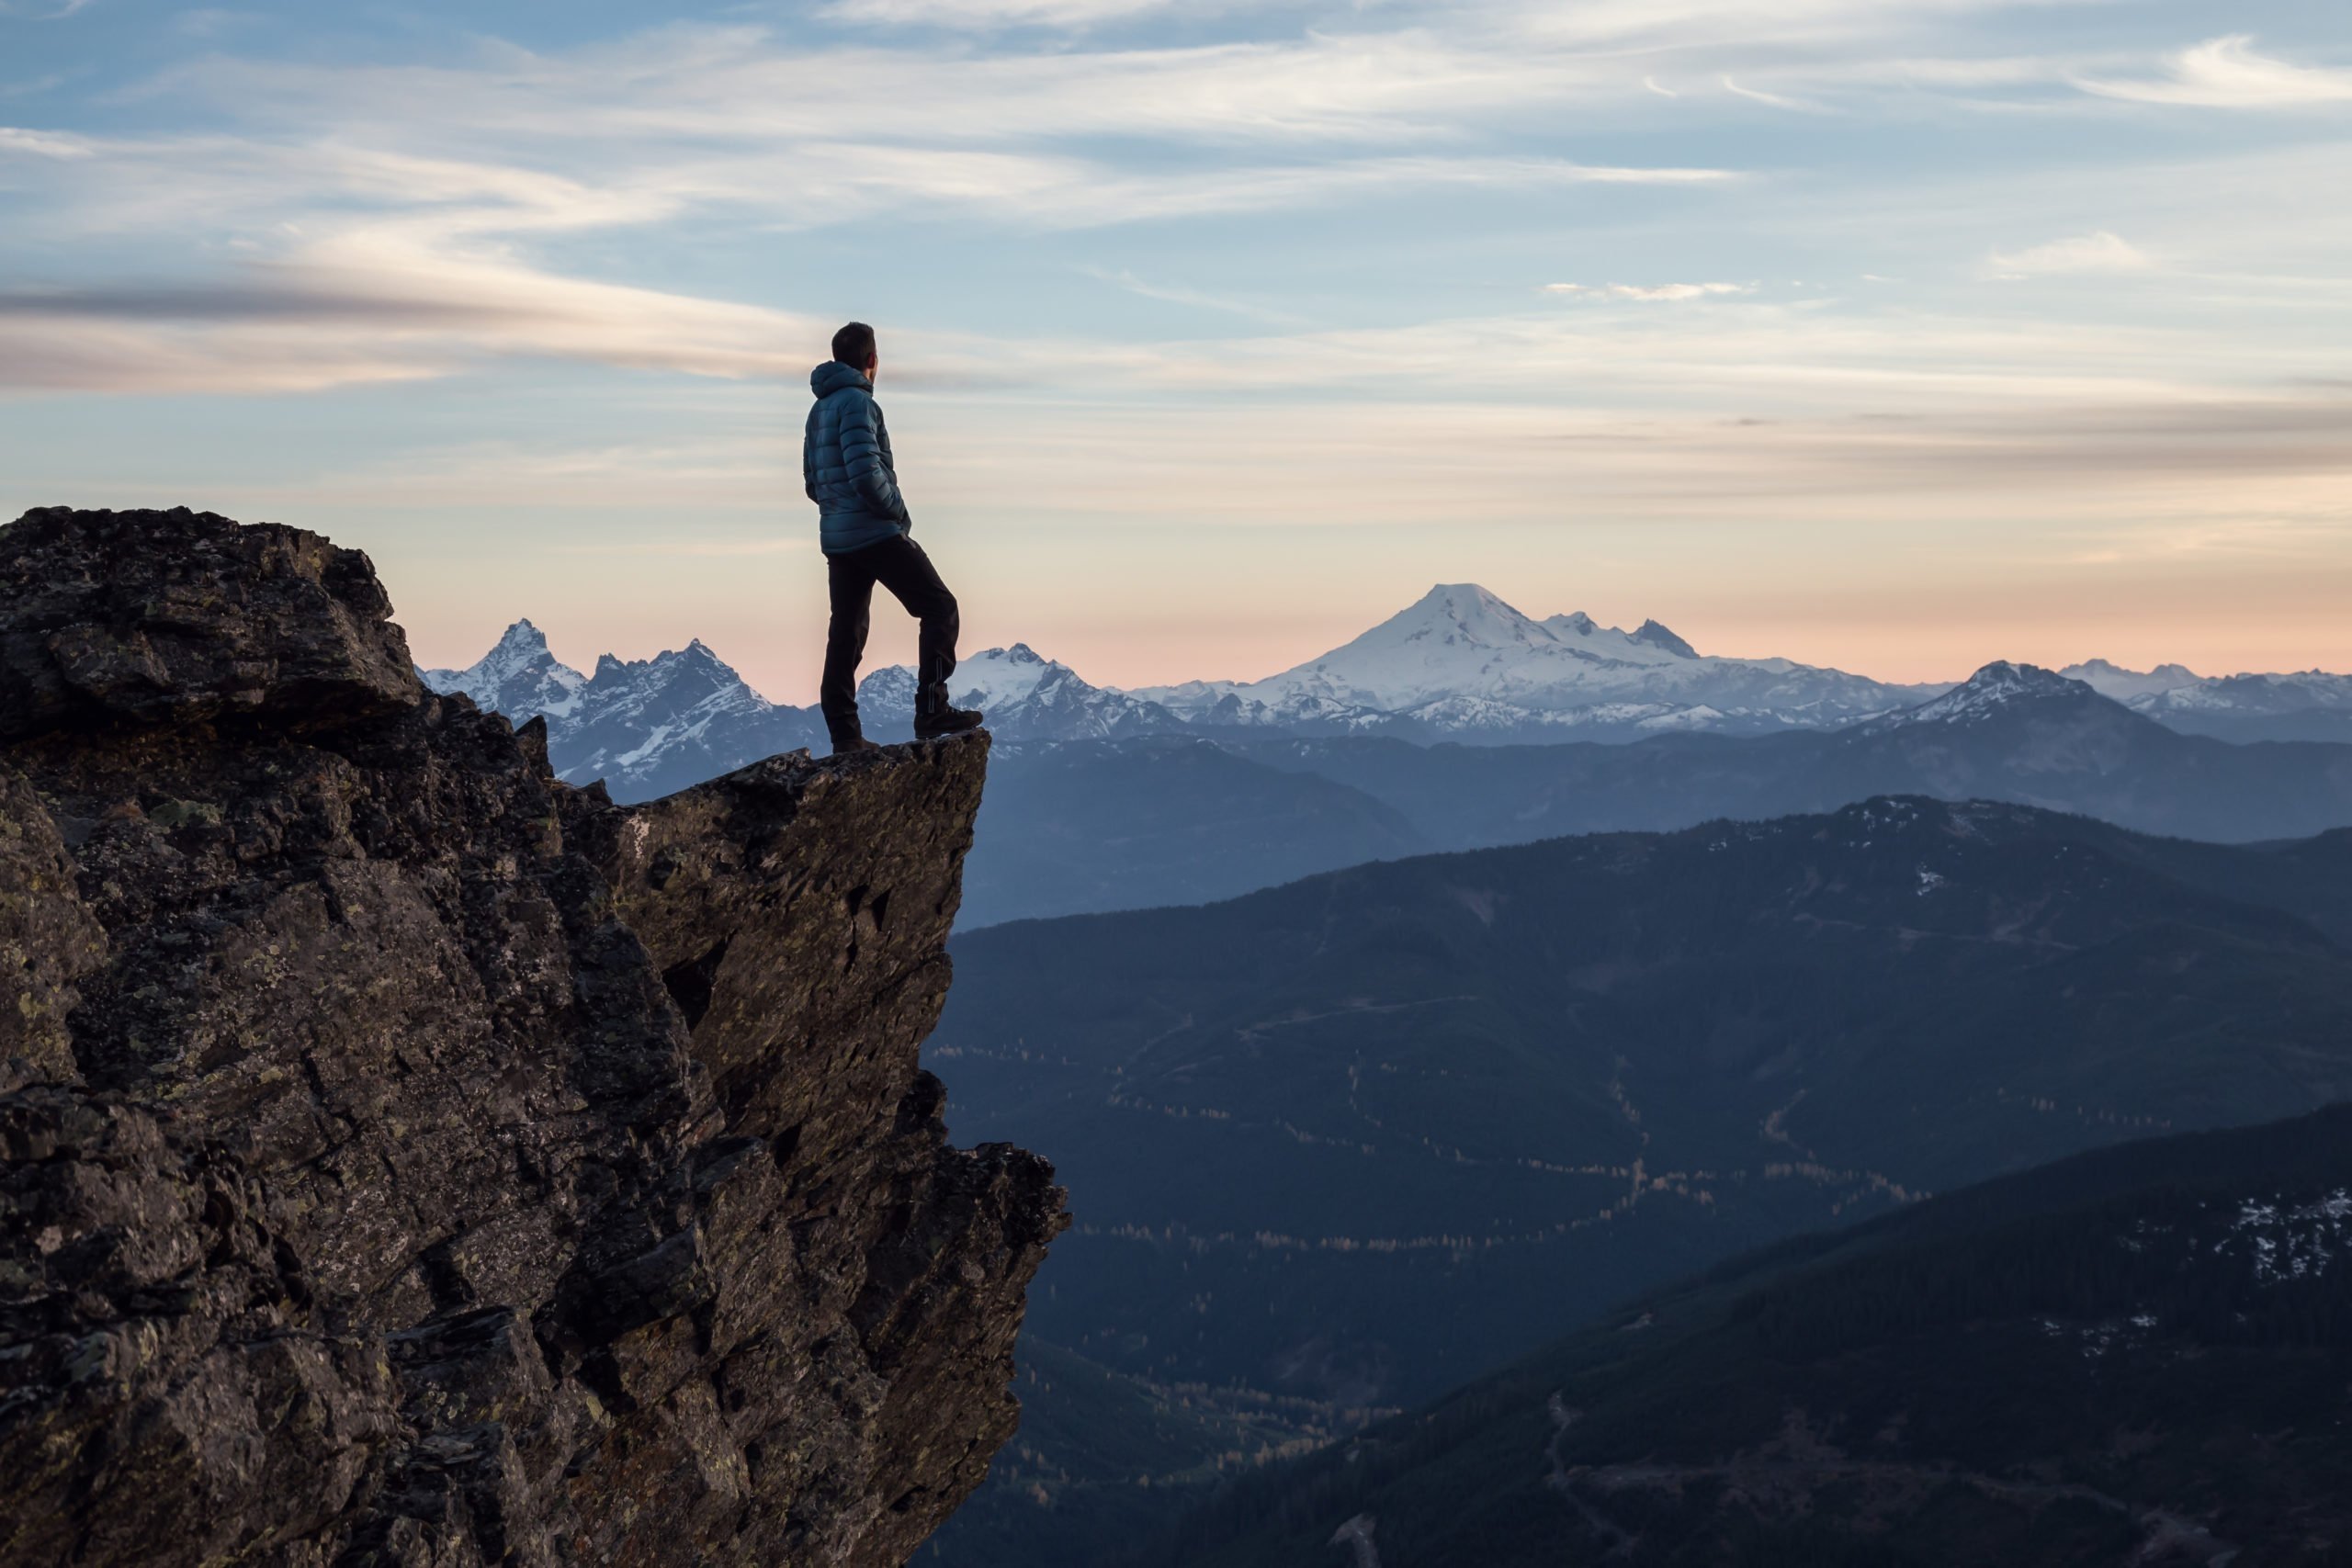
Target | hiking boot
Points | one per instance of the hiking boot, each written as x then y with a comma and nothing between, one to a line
945,720
853,745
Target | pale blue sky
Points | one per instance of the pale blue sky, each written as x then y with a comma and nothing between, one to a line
1900,336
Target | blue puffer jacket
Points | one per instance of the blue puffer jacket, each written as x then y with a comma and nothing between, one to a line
845,463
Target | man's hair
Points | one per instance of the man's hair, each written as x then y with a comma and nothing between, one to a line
854,345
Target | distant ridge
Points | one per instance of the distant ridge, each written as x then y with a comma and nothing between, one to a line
1459,664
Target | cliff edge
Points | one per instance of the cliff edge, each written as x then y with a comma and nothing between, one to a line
408,1159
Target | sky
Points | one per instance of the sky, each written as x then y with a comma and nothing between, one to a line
1898,335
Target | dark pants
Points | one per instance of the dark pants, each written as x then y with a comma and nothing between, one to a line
899,566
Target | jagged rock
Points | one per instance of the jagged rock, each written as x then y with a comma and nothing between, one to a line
407,1159
179,616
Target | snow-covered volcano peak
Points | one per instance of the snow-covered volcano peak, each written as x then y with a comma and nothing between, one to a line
1466,651
1462,610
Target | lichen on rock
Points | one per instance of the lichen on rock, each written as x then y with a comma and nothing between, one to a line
408,1159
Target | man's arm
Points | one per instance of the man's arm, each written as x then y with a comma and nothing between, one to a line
808,455
861,454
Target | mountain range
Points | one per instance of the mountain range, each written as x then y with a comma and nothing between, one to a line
647,728
2310,705
1099,801
1459,664
1088,826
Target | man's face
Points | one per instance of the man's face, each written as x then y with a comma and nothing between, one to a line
874,366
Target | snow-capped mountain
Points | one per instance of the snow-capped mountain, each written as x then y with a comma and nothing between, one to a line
518,678
1460,664
1463,663
1025,697
1997,689
2308,704
645,726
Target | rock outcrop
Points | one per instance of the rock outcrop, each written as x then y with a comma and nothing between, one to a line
408,1159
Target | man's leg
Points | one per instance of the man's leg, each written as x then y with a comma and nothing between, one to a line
903,569
849,579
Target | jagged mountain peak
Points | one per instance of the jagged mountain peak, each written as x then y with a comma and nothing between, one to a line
1656,635
697,656
518,676
518,646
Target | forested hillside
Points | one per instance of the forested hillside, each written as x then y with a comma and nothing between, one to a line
1357,1140
2136,1356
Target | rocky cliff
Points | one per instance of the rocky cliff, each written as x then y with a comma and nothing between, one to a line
406,1158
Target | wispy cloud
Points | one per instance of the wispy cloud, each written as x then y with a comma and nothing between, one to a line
2099,252
1758,96
2226,72
986,14
428,281
375,305
1650,292
41,144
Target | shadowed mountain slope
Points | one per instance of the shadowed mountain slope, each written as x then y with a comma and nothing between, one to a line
1354,1138
1084,826
2136,1356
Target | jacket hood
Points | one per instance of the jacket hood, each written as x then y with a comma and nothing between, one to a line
832,375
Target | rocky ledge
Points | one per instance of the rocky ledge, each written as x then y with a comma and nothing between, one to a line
405,1159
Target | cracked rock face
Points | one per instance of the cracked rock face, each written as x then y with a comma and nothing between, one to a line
407,1159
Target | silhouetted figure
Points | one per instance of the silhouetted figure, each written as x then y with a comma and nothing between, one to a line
864,526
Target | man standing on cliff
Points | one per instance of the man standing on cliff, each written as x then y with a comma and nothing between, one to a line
864,526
